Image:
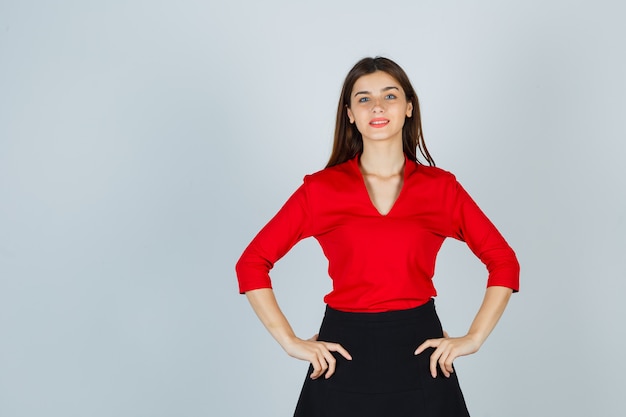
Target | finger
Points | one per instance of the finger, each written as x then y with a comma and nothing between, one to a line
448,363
436,357
427,344
323,361
336,347
317,368
450,367
433,364
443,365
445,334
332,363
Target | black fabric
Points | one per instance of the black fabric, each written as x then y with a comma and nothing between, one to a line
384,378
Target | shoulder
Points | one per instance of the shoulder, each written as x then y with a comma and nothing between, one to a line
434,174
331,177
432,182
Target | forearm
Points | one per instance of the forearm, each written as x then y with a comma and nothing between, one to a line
266,307
494,303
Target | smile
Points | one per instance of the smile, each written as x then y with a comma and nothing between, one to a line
379,122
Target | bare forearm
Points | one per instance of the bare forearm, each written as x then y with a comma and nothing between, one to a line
494,303
447,349
318,353
266,307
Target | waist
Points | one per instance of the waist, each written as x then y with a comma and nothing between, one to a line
415,313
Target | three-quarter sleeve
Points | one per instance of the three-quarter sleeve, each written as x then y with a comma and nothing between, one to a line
278,236
473,227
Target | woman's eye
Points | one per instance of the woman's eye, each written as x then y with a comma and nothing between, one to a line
363,99
390,96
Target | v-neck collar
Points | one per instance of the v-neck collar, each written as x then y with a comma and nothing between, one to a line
409,167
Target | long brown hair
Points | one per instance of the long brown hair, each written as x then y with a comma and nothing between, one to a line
348,140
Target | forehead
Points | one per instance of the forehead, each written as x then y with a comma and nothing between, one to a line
375,82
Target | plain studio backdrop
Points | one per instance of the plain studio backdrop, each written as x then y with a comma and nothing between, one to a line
144,143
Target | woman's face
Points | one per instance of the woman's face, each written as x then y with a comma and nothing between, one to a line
378,106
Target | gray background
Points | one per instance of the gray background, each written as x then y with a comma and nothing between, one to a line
143,144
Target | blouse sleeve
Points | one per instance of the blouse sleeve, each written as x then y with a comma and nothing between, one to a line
276,238
473,227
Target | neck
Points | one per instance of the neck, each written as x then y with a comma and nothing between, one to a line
382,160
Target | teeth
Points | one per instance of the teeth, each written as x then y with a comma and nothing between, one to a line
380,122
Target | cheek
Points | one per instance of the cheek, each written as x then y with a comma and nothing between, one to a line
360,124
361,120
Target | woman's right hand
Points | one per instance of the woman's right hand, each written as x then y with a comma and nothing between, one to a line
318,353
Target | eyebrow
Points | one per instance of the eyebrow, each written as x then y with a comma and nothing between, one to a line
384,89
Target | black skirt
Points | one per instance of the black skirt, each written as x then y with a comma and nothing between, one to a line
384,378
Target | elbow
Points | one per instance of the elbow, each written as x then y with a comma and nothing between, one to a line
252,274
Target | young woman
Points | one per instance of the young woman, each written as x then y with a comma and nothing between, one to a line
380,216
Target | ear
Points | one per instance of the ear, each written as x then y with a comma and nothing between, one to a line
350,115
409,110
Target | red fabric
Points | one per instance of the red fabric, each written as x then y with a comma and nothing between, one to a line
378,263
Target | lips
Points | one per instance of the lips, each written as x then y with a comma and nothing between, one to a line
379,122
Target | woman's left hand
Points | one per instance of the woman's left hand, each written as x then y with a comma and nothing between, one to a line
447,349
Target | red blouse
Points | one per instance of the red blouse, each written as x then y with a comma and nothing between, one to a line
378,263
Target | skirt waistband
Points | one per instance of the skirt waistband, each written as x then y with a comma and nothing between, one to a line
385,316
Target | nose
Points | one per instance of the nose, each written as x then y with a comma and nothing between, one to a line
377,106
